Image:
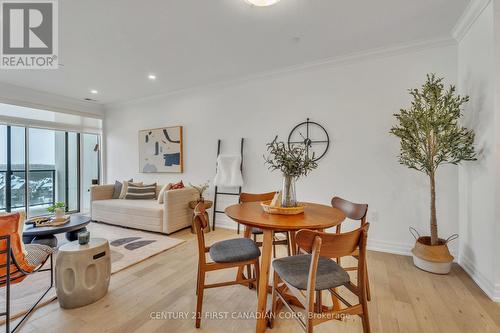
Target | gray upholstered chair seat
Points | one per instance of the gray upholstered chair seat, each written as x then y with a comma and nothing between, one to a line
234,250
295,271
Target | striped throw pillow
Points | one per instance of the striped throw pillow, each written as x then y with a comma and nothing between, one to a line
135,191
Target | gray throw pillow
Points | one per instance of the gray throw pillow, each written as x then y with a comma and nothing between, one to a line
118,189
136,191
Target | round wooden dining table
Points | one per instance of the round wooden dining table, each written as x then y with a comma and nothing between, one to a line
250,214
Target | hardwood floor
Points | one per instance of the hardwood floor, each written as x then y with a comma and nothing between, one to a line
404,299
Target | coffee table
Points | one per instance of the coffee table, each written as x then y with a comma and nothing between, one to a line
45,235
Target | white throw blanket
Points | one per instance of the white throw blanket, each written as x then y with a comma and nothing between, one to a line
228,171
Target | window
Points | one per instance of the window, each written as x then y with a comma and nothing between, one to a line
73,173
42,166
90,174
3,166
12,168
47,169
17,172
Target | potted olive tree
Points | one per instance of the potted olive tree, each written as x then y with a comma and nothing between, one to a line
431,135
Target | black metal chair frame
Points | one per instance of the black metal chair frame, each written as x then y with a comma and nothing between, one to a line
6,279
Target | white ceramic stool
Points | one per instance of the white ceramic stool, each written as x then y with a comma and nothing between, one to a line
82,272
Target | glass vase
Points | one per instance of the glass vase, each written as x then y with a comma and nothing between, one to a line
288,198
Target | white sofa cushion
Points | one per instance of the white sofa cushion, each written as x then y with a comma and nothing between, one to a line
146,208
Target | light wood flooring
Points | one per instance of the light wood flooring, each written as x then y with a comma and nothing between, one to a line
404,299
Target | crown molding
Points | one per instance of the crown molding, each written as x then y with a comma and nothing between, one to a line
469,16
353,58
36,99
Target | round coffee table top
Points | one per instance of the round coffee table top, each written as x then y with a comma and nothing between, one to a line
76,222
76,247
315,216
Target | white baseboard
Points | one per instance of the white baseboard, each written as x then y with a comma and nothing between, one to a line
389,247
492,290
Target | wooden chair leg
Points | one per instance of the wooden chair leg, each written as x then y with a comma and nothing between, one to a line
249,276
319,302
309,320
197,280
309,326
288,245
274,247
337,231
364,316
255,238
310,305
257,273
199,302
368,293
274,298
293,244
335,301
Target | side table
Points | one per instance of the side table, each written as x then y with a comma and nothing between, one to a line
208,204
82,272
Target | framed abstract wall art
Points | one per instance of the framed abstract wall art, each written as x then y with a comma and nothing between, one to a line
160,150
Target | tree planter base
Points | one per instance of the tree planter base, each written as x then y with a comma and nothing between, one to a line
432,258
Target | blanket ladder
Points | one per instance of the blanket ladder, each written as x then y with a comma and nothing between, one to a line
215,211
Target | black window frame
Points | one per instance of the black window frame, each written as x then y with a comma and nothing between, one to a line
9,172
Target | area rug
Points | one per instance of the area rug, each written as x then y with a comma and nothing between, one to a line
128,247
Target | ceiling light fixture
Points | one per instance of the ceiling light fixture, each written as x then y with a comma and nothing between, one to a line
93,91
152,77
262,3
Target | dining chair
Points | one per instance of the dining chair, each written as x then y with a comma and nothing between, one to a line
18,261
356,212
255,197
238,252
307,275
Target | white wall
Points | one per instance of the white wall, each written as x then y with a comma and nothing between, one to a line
478,181
354,101
496,28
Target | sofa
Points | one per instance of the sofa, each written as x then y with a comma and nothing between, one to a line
174,214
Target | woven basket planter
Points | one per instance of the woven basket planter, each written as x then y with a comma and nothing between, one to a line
432,258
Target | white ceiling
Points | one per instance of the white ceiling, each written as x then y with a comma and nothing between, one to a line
111,45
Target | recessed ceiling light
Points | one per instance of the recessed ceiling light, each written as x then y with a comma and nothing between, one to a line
93,91
262,3
152,77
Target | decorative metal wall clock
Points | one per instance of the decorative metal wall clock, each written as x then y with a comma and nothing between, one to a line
311,135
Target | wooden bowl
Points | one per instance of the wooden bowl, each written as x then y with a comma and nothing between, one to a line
299,209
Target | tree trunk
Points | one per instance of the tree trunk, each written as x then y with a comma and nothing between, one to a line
434,228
